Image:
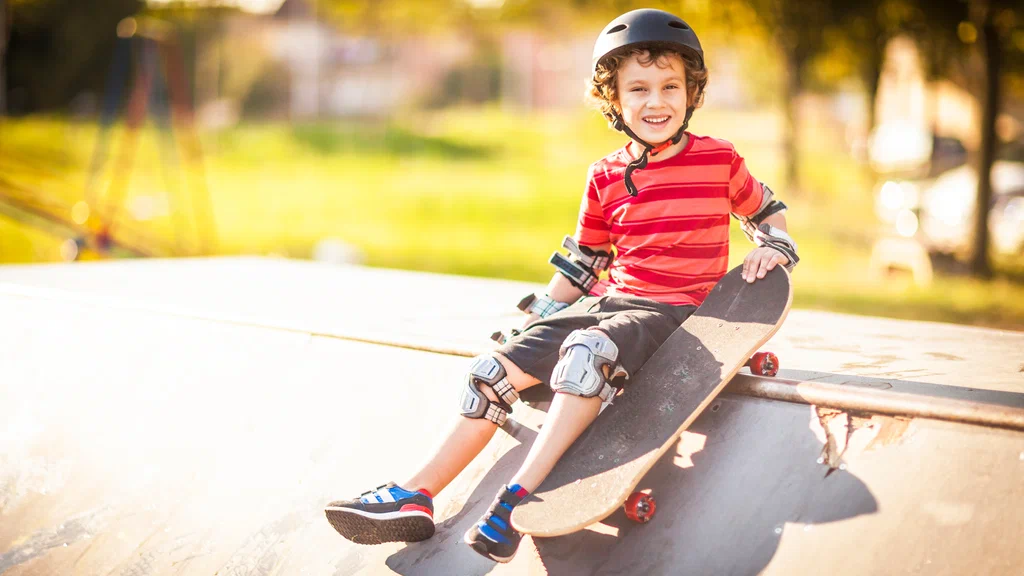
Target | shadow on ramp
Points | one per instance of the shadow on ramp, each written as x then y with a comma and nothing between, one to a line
744,470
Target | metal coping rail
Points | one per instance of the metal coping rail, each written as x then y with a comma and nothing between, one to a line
858,398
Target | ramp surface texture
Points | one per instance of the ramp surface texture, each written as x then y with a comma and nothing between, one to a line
138,439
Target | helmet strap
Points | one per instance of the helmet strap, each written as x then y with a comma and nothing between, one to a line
649,149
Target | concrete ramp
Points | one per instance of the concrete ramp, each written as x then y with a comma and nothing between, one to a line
448,314
141,443
137,440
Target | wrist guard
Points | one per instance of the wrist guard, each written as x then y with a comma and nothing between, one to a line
542,306
772,237
582,266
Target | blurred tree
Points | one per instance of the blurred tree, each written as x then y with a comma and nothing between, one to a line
59,48
993,20
867,26
3,56
947,29
977,44
798,30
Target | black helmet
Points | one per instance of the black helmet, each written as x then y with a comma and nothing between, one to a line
646,25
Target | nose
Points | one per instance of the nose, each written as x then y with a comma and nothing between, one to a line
654,100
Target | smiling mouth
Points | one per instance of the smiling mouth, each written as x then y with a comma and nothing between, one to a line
656,120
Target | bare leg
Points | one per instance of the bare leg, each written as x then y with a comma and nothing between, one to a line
464,441
493,536
568,417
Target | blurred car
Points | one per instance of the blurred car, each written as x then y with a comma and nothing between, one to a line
948,207
939,212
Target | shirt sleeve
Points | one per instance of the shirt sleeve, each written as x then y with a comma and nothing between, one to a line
745,192
591,228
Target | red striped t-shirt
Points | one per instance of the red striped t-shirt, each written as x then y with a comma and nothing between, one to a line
672,240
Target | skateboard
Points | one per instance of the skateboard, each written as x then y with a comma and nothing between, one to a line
599,471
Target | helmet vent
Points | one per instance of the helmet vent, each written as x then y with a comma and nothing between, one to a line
678,24
618,28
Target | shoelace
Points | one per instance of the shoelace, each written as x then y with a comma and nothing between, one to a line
373,492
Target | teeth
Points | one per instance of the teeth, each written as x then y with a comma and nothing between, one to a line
657,120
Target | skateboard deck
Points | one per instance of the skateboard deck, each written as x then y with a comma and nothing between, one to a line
600,470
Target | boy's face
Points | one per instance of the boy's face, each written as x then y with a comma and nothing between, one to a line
652,98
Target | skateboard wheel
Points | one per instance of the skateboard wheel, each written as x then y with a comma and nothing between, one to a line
640,507
764,363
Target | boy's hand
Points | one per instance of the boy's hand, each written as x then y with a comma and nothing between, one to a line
760,261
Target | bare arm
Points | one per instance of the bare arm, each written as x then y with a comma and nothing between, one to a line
561,290
777,220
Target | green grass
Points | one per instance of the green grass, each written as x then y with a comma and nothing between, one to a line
477,192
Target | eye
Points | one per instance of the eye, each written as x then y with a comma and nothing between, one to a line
671,87
638,89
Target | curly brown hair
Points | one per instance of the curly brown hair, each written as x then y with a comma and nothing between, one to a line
603,94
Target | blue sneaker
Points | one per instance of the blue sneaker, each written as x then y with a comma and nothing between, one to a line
387,514
493,536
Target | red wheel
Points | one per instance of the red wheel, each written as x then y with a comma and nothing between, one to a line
640,507
764,363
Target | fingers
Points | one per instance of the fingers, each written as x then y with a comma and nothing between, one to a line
753,265
762,266
768,261
777,258
758,261
757,264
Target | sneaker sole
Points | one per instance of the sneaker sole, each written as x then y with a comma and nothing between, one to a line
367,530
481,549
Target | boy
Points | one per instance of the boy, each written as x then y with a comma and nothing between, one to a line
662,203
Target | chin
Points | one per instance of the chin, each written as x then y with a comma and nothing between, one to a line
660,136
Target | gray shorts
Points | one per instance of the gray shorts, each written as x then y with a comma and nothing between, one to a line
636,325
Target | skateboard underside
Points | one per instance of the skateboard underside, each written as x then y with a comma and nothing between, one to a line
599,471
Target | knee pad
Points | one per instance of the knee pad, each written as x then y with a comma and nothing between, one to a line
487,371
581,362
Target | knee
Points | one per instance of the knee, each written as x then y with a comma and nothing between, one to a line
587,363
486,391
